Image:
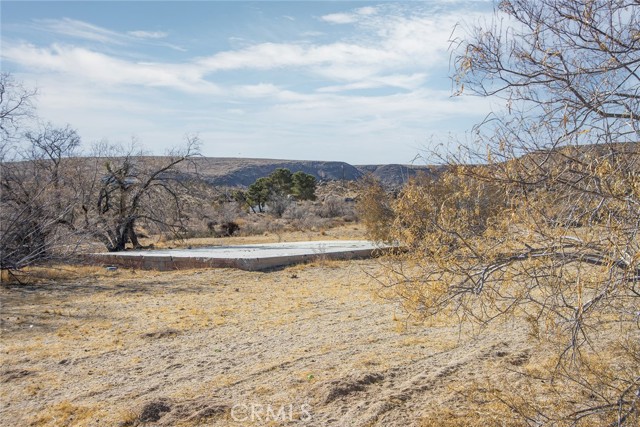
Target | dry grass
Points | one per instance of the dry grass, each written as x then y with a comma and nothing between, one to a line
349,231
109,348
37,274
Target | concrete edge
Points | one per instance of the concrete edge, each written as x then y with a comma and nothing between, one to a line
169,263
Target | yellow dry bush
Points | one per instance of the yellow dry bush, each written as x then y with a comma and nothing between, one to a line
555,248
437,213
374,209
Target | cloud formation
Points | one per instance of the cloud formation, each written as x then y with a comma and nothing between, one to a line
101,68
384,47
80,30
381,78
141,34
349,18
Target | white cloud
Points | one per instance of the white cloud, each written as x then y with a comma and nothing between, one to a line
339,61
336,61
261,56
390,43
88,65
312,34
351,128
367,10
270,122
80,29
90,32
349,18
256,91
339,18
291,93
386,43
408,82
141,34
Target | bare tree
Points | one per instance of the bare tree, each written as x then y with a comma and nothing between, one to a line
572,65
36,214
131,190
37,196
16,105
547,230
52,201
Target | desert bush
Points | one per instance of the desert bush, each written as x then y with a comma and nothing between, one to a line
546,231
374,208
349,213
313,223
427,209
253,225
332,207
562,258
229,228
278,203
131,190
298,211
228,211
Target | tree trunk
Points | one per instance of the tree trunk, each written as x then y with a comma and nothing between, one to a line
132,236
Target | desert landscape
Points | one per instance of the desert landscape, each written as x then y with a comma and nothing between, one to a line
315,344
439,202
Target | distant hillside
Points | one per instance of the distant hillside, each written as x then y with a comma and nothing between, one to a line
237,172
240,172
394,175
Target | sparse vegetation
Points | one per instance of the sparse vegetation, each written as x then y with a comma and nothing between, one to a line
37,190
516,302
109,345
547,230
375,210
55,201
131,191
277,191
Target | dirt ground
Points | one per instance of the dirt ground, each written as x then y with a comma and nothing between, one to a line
311,345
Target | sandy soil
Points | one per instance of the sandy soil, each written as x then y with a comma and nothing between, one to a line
308,345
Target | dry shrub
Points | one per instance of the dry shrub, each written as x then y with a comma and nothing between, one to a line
375,210
50,273
332,207
556,248
253,225
298,211
549,392
428,208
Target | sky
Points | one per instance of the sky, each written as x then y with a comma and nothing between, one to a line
362,82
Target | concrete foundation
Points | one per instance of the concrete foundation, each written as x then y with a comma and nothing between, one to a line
245,257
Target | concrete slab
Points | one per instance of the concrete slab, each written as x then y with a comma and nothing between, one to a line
246,257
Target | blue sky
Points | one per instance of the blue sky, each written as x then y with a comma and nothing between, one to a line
362,82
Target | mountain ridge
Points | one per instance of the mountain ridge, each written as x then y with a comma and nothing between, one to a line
242,172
